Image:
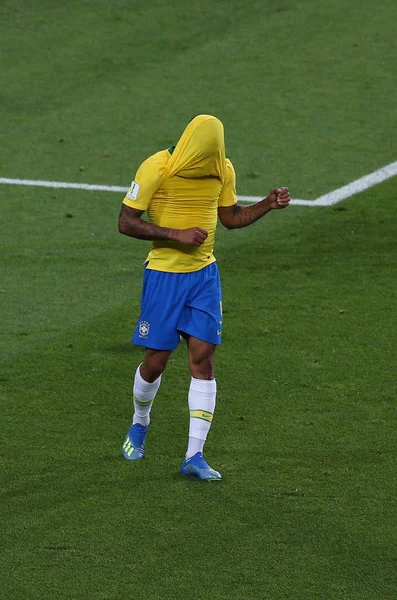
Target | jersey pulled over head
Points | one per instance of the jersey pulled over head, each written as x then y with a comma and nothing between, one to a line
200,151
183,189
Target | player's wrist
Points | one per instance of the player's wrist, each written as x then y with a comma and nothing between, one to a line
173,235
267,203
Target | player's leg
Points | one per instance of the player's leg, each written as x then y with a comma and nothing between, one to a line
202,393
156,331
201,323
201,357
201,402
146,384
154,364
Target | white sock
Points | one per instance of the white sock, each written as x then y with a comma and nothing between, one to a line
143,394
201,401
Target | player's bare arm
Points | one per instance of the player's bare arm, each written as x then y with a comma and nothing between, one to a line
236,216
131,224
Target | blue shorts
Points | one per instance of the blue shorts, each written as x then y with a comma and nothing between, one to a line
174,303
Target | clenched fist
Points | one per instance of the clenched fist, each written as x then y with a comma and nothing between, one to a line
279,198
194,236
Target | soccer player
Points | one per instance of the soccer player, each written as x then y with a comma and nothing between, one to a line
184,189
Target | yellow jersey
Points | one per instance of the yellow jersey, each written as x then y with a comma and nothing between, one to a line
183,188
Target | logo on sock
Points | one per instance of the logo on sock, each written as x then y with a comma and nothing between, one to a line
205,415
144,327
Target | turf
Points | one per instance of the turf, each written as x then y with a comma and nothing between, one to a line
306,91
304,431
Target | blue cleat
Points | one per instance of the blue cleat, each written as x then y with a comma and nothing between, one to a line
196,466
134,443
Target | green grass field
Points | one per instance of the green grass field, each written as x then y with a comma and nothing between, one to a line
305,428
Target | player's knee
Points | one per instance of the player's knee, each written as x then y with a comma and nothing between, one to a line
202,366
154,364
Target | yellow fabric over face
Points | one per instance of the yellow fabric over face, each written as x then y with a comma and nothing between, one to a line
200,151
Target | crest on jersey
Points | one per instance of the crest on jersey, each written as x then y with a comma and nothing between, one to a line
144,327
132,193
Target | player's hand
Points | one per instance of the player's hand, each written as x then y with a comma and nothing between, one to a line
279,198
194,236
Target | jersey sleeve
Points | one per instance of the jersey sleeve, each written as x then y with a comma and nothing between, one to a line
147,181
228,194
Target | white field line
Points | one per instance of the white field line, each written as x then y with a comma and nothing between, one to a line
326,200
357,186
64,184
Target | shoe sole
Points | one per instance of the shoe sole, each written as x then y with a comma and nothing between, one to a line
196,476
